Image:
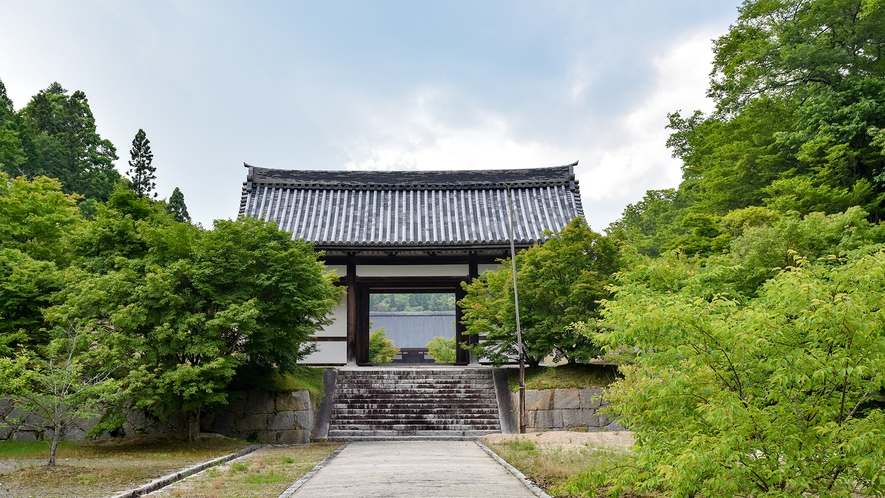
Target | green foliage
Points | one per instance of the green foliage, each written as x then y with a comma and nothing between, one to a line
196,306
442,349
60,140
381,349
560,283
12,155
772,396
177,206
36,217
142,173
71,380
650,223
800,92
26,287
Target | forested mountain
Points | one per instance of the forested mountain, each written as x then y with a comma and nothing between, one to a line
799,88
751,298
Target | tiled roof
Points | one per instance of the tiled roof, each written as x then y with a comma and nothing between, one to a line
413,209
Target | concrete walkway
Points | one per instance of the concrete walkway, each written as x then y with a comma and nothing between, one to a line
413,468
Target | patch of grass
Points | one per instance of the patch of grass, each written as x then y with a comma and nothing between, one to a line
86,479
309,378
263,478
304,378
265,473
100,468
563,377
238,467
551,468
29,449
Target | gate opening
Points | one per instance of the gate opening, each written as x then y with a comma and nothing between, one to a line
412,328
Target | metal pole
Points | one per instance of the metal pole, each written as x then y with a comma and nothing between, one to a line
516,306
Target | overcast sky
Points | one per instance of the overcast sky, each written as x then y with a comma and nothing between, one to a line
376,85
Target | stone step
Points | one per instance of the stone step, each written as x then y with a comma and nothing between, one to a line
413,403
413,408
412,381
403,385
413,436
466,417
410,431
406,385
428,406
428,398
417,391
370,408
416,427
348,391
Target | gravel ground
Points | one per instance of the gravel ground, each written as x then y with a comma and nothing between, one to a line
621,440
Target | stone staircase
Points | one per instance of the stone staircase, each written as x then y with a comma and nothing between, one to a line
389,403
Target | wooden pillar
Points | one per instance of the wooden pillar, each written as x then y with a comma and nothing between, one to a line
352,312
362,325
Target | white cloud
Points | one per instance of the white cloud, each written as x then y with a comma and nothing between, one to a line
419,137
616,166
621,174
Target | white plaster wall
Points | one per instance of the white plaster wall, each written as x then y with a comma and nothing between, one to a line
340,270
484,268
412,270
329,353
338,328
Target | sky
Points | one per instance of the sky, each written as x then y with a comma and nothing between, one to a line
386,85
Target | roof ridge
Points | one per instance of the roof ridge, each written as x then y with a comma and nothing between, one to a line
412,180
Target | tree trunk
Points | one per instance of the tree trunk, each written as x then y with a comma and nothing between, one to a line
57,434
193,425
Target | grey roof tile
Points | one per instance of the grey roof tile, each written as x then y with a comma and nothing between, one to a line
413,209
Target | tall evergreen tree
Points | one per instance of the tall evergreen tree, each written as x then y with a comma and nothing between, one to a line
11,153
60,140
142,172
176,206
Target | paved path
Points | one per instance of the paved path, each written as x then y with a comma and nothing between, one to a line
413,469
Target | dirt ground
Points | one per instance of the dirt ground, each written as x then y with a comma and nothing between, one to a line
621,440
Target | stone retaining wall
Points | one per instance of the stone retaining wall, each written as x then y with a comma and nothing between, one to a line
285,417
564,410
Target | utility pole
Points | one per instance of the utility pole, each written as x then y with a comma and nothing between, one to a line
516,306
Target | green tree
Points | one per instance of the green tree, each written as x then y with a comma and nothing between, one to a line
651,223
36,217
197,307
60,141
442,349
36,221
12,155
73,379
381,349
774,396
800,92
560,283
177,207
141,172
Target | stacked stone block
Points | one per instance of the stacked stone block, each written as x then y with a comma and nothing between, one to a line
564,410
284,418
